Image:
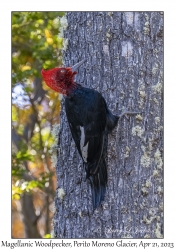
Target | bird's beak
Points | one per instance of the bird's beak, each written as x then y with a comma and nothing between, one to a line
77,65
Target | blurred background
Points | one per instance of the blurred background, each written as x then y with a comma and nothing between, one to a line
36,44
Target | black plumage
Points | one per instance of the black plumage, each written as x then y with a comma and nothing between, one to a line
90,121
87,112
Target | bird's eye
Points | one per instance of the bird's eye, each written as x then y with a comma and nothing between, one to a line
62,71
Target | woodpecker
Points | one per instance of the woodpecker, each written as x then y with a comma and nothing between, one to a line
90,122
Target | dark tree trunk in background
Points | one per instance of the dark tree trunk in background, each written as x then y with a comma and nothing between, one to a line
124,52
29,217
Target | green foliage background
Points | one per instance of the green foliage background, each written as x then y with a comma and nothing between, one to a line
35,45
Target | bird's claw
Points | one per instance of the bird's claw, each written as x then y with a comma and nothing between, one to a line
129,113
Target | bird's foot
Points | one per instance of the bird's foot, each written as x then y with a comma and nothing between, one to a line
129,113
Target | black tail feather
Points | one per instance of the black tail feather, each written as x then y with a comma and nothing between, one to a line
98,184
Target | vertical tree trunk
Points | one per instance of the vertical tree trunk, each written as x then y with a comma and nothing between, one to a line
124,52
29,217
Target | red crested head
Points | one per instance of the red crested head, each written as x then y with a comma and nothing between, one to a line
60,79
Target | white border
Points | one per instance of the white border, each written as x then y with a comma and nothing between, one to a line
5,95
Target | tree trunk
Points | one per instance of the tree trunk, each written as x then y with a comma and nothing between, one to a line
124,52
29,217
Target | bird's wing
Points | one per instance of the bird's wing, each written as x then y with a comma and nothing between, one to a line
89,140
94,140
88,126
76,134
87,123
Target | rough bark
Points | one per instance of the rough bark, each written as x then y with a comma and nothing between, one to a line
124,52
